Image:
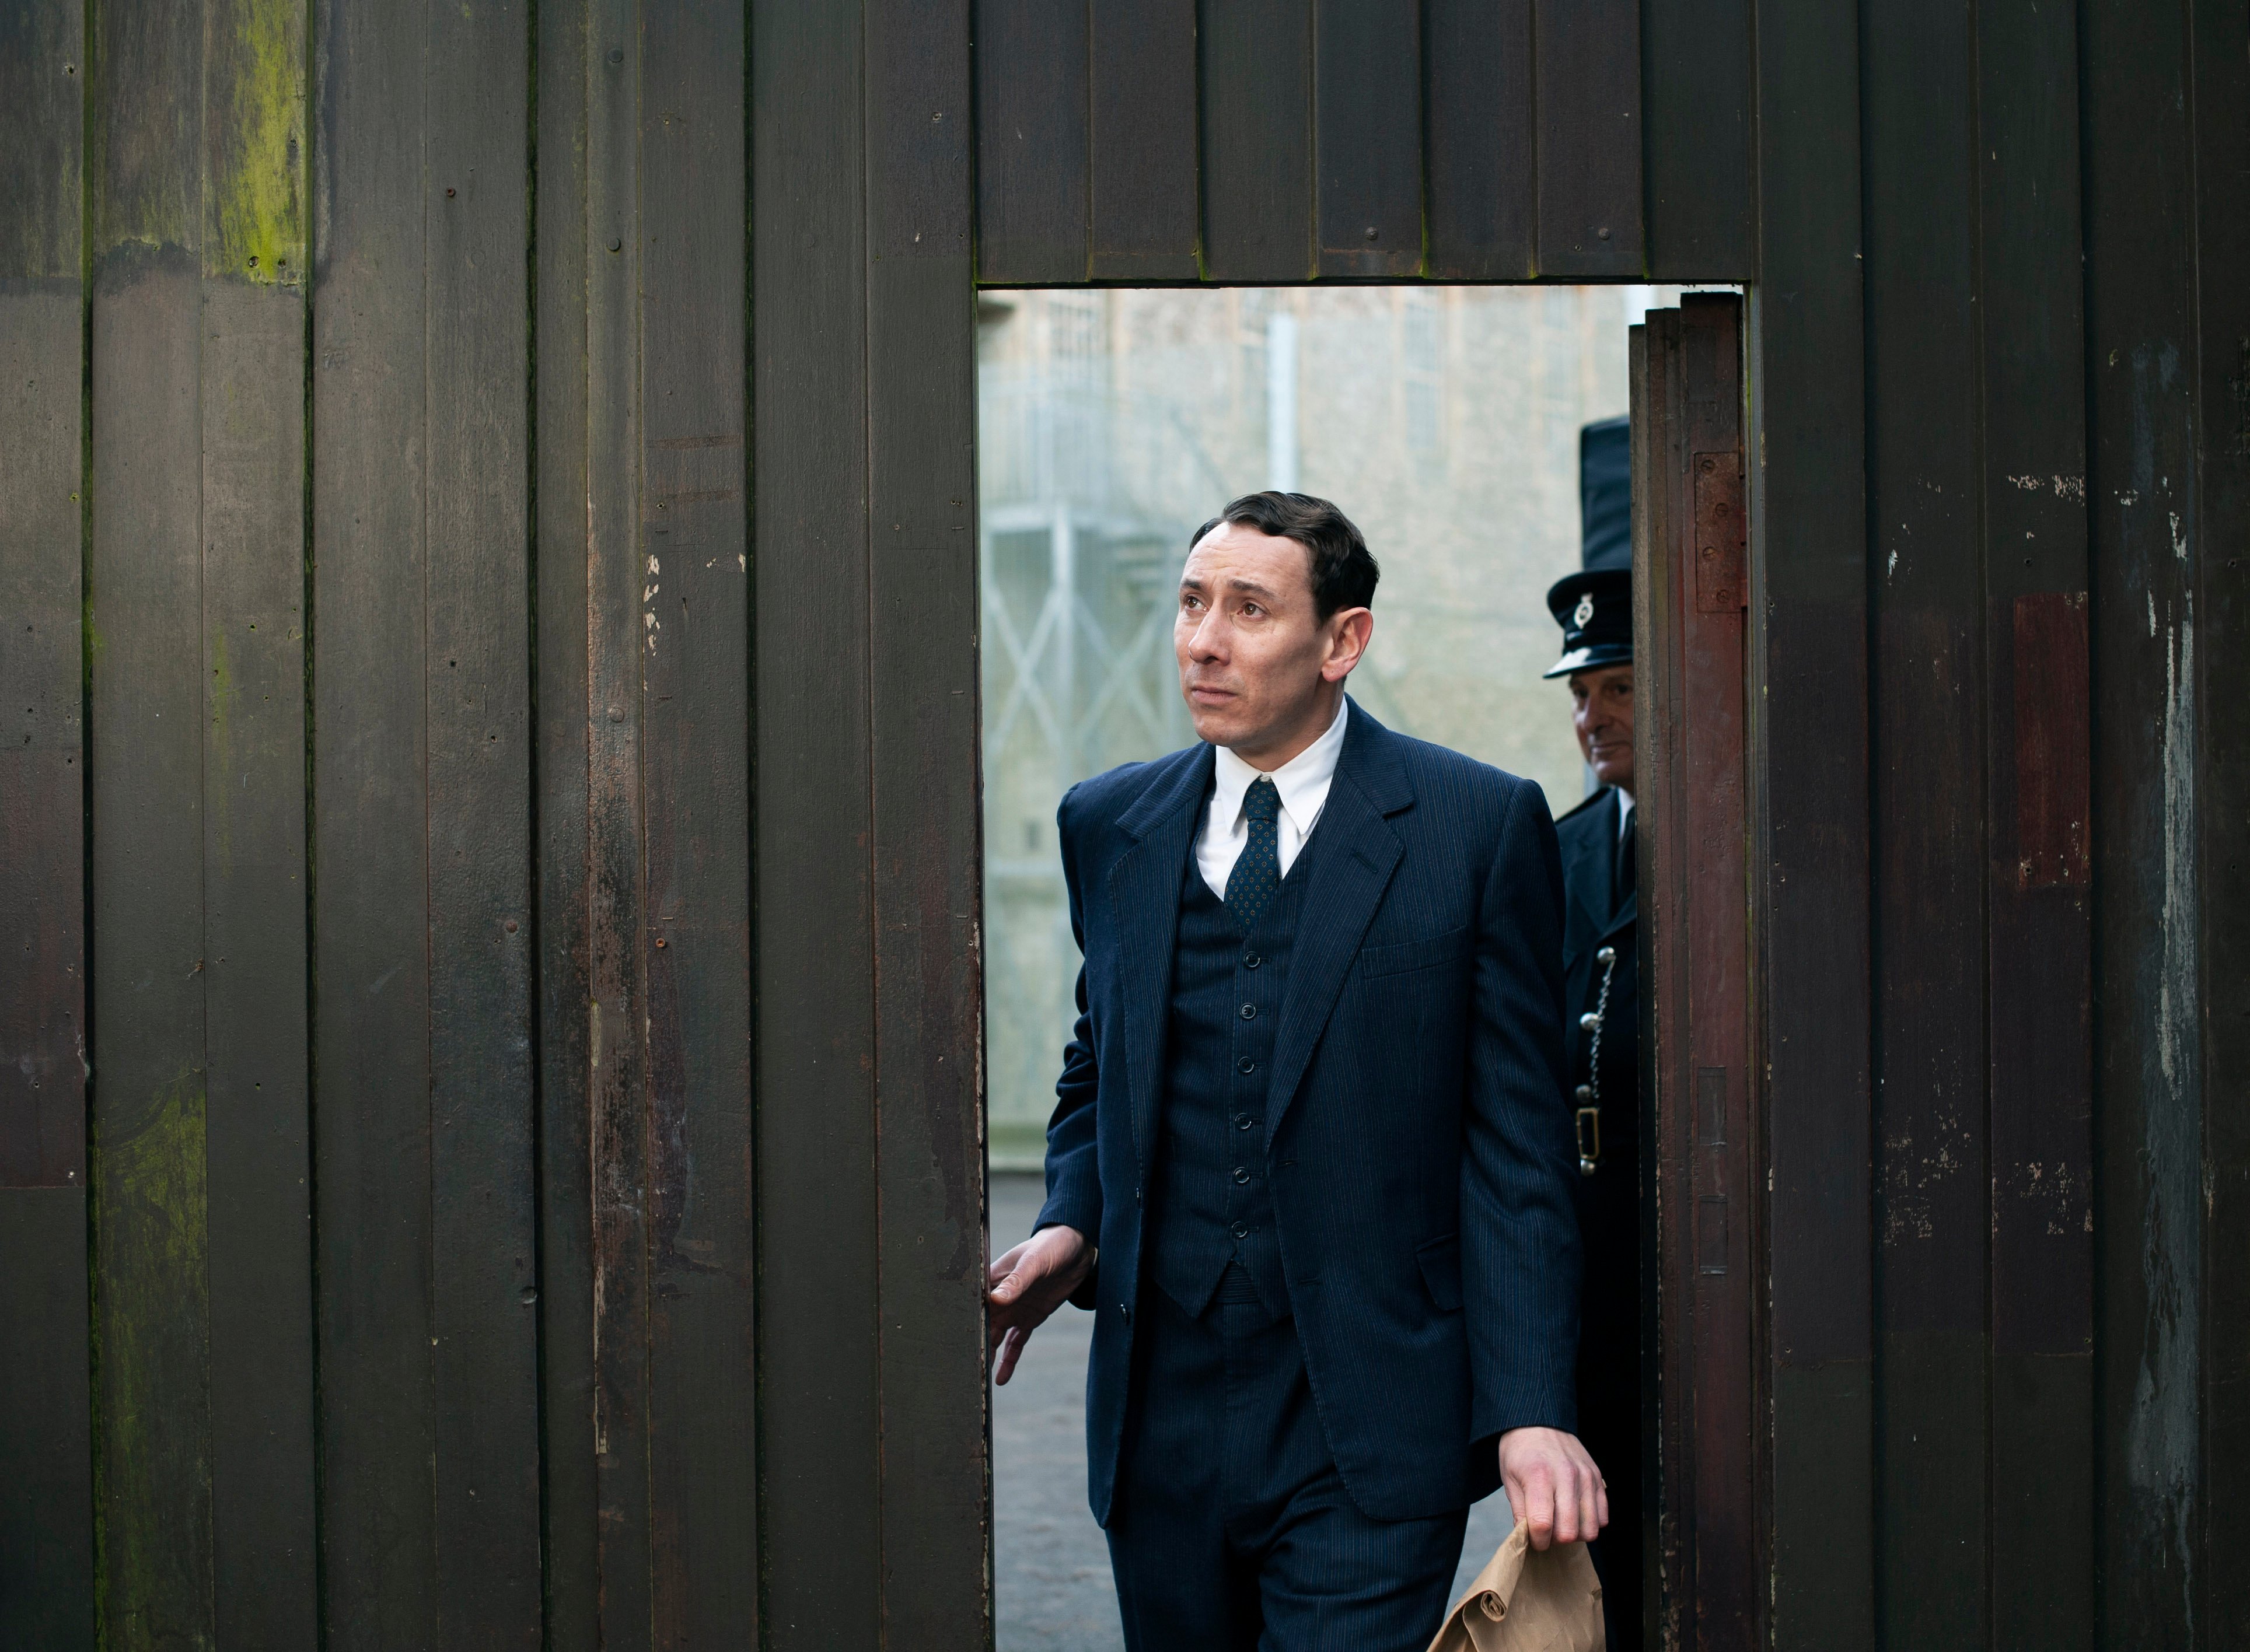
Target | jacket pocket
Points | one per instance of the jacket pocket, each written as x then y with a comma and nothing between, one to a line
1401,956
1441,1271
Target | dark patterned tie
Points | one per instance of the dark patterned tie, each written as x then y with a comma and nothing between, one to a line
1256,876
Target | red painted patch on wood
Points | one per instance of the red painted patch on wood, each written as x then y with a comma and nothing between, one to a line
1722,534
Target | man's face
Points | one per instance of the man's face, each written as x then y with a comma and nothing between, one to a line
1255,656
1601,712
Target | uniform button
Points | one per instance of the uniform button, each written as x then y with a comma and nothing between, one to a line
1242,1230
1244,1121
1241,1176
1245,1066
1589,1021
1125,1308
1251,960
1249,1012
1585,1092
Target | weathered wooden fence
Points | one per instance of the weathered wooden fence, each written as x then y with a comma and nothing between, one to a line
488,946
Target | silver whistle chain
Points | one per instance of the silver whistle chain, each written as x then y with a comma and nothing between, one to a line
1589,1115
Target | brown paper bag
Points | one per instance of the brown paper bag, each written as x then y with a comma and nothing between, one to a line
1527,1599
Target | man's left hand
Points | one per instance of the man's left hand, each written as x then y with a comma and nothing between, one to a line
1553,1485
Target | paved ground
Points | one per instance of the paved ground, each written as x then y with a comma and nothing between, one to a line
1052,1565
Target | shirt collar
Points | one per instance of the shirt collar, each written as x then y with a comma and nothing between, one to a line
1625,810
1302,781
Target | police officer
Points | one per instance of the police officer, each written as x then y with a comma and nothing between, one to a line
1601,983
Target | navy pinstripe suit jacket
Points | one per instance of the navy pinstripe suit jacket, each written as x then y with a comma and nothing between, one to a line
1417,1138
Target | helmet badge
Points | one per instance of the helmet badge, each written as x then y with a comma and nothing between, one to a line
1583,612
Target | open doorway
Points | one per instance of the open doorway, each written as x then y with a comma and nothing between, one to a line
1447,423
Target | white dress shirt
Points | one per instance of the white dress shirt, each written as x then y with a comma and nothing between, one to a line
1625,812
1303,783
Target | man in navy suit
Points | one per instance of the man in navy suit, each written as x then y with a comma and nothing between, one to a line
1311,1161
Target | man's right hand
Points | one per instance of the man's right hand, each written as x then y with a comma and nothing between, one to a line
1028,1283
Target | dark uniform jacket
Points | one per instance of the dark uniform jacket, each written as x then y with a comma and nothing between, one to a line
1595,918
1415,1140
1600,913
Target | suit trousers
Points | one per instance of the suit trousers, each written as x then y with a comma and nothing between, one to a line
1232,1529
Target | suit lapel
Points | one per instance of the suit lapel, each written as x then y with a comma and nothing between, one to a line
1144,903
1623,917
1354,851
1586,869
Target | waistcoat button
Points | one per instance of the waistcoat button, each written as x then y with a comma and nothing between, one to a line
1251,960
1241,1176
1249,1012
1241,1230
1245,1066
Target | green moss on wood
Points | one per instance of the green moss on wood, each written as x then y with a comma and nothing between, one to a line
255,116
152,1251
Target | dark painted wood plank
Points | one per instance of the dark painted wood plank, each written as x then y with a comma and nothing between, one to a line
1689,445
2221,95
475,614
1141,192
47,1446
42,739
1481,183
1698,115
1705,515
256,1132
1928,670
2148,641
41,750
42,80
695,948
923,747
818,1336
566,56
616,936
370,827
1666,1082
1810,822
146,713
2044,1471
1368,136
2038,980
1032,142
1587,77
1257,101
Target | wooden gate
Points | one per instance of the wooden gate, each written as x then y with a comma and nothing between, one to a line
1701,1371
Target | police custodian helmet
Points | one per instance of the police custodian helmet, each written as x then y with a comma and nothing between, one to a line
1594,606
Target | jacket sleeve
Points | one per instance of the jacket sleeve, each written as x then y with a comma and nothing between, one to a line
1073,1166
1520,1254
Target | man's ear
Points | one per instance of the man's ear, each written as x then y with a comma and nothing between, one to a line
1349,633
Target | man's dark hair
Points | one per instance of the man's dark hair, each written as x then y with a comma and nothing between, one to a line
1343,571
